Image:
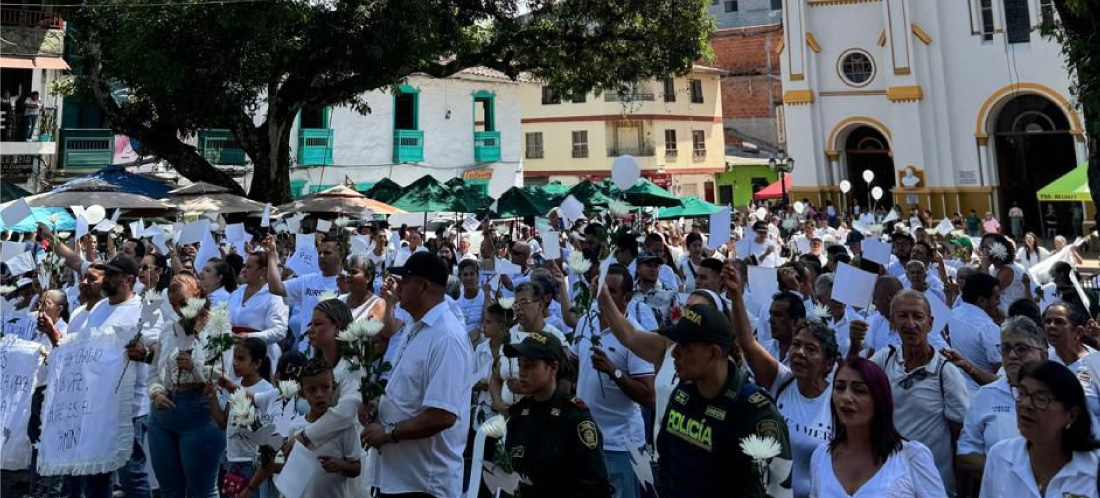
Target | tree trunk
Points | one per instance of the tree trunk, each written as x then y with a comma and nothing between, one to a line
187,160
271,162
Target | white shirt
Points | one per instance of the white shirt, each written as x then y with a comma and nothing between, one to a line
125,317
344,446
689,270
842,329
472,309
1008,474
909,473
976,337
263,312
303,293
483,369
991,419
433,368
237,448
922,411
809,424
217,297
1027,262
619,417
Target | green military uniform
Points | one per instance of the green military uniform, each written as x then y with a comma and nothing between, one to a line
554,445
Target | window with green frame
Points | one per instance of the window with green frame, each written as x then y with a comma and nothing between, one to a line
484,111
406,108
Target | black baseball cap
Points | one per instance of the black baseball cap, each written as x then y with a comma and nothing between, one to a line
537,346
123,264
701,324
645,259
425,265
760,226
854,238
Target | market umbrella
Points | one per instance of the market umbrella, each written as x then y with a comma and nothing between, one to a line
427,195
122,180
774,191
455,182
339,200
1071,187
517,202
10,192
385,190
203,197
590,194
65,221
646,193
93,192
693,207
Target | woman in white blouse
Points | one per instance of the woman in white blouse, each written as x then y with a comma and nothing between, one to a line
867,458
362,300
255,312
218,281
689,263
1056,454
1031,253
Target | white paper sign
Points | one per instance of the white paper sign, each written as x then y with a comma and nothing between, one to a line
891,216
876,250
265,221
194,232
15,213
160,241
208,249
853,286
301,468
360,244
764,283
304,260
323,226
88,413
802,244
471,223
719,228
10,250
941,313
945,227
551,244
236,233
137,229
19,363
572,209
81,226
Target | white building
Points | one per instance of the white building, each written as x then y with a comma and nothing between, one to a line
953,105
467,125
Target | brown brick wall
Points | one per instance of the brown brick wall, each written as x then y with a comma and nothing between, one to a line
752,88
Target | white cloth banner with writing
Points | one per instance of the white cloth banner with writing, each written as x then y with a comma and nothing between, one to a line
19,363
87,425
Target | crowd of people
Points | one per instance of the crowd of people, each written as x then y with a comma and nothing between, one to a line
627,358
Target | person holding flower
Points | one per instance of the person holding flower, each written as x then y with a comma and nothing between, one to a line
1003,265
252,366
254,311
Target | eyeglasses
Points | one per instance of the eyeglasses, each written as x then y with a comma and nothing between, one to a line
1040,400
1019,349
522,303
913,378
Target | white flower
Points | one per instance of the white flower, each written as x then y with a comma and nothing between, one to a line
4,289
822,312
618,208
876,229
341,222
506,302
998,251
238,401
578,263
245,418
361,329
53,219
760,448
288,389
218,323
64,235
346,335
150,296
193,307
328,295
495,427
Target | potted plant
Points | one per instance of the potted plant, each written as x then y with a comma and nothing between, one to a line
47,124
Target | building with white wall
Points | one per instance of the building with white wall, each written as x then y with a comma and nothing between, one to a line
953,105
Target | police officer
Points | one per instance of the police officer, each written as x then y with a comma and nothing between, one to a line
553,442
712,412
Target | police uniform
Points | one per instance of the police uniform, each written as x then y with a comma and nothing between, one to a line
554,445
700,439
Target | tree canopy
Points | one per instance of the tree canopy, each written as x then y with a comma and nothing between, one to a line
1078,30
250,66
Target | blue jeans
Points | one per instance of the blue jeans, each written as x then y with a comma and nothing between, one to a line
29,122
186,448
621,473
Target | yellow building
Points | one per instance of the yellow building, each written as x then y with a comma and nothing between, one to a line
673,127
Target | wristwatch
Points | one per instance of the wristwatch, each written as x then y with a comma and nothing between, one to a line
390,437
618,374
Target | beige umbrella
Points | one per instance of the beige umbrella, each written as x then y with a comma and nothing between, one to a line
339,200
203,197
96,192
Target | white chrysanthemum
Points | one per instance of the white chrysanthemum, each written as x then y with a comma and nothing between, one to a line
998,250
346,335
618,208
822,312
506,302
760,448
325,296
245,417
193,307
578,263
4,289
118,229
341,222
288,389
150,296
365,328
238,401
495,427
218,323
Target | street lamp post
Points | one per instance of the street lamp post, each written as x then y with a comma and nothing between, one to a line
783,164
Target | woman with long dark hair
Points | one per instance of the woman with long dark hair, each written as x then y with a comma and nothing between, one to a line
1055,454
867,457
1031,253
218,280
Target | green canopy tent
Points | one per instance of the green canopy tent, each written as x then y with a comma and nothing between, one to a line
647,193
384,191
10,192
1071,187
590,194
555,190
517,202
693,207
455,182
427,195
475,200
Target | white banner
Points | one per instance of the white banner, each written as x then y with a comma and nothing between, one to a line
87,425
19,363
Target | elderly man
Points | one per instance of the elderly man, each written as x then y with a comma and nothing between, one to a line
930,395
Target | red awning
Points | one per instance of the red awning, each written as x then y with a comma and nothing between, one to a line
773,191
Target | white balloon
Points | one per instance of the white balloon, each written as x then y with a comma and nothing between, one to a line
876,193
95,214
799,207
845,186
761,213
625,170
868,175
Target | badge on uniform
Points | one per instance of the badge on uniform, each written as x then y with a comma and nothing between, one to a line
681,397
768,428
554,412
716,413
587,432
758,399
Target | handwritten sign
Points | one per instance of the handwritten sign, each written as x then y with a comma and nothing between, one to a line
19,363
304,260
87,425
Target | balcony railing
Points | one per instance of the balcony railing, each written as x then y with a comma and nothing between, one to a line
580,151
671,153
534,153
408,146
219,147
486,146
645,150
314,146
83,148
629,97
699,154
30,18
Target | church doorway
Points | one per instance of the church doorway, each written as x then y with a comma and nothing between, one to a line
866,149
